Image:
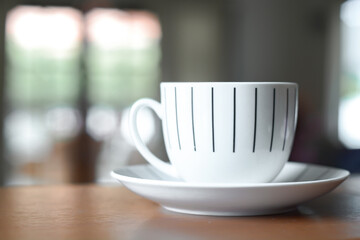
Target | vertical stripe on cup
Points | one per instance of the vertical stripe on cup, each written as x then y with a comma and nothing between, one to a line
295,98
255,121
212,118
192,117
177,124
286,117
273,121
166,118
234,120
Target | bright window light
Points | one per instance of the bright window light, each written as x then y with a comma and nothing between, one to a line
349,108
111,28
55,29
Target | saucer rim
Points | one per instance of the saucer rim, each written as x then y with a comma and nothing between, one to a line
343,175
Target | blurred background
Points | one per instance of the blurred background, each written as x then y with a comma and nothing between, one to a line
70,69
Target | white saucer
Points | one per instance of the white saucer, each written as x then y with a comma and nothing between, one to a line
297,183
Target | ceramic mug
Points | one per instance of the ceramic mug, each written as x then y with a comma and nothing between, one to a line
223,132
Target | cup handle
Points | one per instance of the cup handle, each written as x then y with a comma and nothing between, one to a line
141,147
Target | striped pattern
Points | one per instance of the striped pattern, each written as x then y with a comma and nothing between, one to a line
177,121
279,106
255,120
286,118
234,120
192,117
273,120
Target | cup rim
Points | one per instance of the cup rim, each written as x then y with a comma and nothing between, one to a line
229,83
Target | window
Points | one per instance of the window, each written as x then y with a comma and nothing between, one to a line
70,74
349,114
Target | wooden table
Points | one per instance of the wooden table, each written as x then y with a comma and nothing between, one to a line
113,212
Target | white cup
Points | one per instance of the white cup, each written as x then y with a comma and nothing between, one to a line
223,132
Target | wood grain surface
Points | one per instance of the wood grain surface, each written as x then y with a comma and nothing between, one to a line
113,212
